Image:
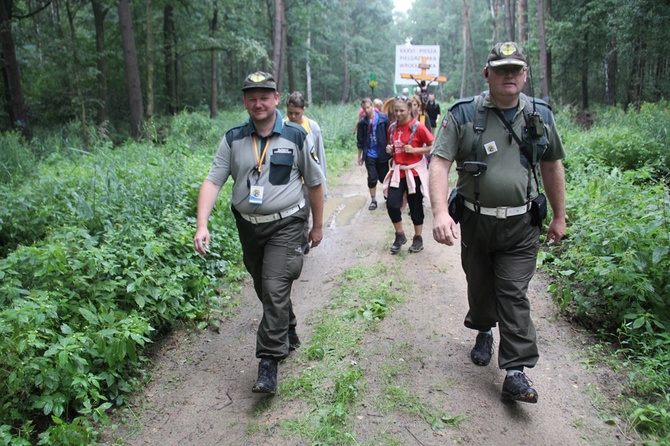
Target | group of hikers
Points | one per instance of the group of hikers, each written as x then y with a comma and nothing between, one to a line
508,157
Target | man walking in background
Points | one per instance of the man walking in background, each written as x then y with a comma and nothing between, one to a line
371,139
433,111
268,160
497,140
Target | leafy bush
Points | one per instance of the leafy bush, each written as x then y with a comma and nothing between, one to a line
97,258
16,159
617,260
613,267
629,140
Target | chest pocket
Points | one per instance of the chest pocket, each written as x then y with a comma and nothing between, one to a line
280,168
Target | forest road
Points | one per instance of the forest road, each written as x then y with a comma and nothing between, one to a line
200,392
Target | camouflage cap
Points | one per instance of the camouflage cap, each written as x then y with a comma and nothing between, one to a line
259,79
506,53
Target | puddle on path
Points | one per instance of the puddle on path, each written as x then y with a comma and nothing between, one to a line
341,211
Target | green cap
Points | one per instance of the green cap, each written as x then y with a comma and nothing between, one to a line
259,79
506,53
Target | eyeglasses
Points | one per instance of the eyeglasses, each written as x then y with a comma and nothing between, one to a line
402,98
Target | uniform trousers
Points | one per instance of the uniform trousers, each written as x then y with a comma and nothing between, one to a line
272,253
499,258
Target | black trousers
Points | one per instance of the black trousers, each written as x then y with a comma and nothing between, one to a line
272,253
499,258
396,197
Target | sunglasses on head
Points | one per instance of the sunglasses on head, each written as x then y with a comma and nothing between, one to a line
402,98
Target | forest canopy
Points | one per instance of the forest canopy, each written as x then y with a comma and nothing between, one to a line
118,64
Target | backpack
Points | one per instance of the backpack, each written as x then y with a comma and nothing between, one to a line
413,126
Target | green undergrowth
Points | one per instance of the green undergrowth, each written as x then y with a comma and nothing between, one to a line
611,272
331,381
97,261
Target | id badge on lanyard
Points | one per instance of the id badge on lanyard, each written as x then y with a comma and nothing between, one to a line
256,190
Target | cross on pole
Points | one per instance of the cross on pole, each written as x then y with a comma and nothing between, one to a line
421,80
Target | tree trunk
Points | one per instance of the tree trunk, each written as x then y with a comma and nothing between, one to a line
468,53
308,67
611,62
284,49
213,107
522,39
522,17
277,42
289,64
542,37
585,73
133,84
345,53
547,17
101,62
76,68
170,58
509,19
495,15
18,114
150,61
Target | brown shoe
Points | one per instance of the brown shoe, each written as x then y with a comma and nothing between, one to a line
400,240
417,244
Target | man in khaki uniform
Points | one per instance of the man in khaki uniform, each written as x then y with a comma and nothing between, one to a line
268,160
497,140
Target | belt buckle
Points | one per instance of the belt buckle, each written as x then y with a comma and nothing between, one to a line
501,212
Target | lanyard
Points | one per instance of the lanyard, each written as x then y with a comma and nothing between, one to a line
259,162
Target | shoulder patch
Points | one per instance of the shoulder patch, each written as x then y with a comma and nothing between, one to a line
294,133
461,101
315,156
238,132
462,110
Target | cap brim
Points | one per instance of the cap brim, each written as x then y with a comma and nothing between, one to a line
256,87
501,62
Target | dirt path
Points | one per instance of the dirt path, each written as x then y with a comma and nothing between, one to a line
201,388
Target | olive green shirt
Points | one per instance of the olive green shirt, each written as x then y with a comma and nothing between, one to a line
506,179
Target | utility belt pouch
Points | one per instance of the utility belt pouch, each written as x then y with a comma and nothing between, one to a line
538,210
455,205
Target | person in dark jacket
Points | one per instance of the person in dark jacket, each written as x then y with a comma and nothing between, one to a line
371,139
433,111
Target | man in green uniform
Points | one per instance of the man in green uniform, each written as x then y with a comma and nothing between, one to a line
268,160
498,140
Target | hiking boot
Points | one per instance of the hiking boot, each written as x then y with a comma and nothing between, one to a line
517,387
417,244
293,339
267,377
483,349
400,240
373,205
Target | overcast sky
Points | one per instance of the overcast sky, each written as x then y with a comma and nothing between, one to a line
402,5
